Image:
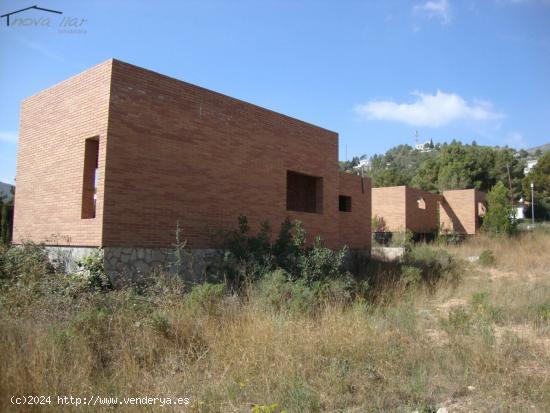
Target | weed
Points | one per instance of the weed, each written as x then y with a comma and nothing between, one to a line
487,258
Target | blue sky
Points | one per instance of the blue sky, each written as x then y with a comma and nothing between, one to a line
373,71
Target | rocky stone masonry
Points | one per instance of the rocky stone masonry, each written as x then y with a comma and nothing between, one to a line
134,263
127,263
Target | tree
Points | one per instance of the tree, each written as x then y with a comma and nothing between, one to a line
540,177
6,217
499,218
5,223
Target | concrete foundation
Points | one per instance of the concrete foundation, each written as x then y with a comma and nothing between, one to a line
65,258
388,253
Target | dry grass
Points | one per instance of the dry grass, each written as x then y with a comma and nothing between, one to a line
480,346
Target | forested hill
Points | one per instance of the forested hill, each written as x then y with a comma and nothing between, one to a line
447,166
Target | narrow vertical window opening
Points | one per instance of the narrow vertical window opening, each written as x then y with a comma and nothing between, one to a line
89,184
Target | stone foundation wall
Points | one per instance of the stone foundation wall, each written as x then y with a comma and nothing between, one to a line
131,263
127,264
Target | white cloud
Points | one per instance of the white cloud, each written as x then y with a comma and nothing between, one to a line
438,9
429,110
8,136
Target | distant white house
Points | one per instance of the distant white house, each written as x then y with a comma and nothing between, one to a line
364,164
520,212
531,163
427,146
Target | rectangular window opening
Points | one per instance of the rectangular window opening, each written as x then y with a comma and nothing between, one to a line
344,203
89,184
304,193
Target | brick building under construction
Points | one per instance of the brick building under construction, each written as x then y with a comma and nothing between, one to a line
401,209
116,156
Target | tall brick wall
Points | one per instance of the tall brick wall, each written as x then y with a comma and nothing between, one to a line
355,226
180,152
460,211
389,203
422,211
55,124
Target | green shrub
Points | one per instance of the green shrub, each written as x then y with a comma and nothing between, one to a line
245,257
274,289
435,264
411,276
304,297
91,271
320,263
487,258
206,297
24,263
339,290
248,258
277,291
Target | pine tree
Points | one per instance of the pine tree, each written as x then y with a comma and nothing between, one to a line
499,219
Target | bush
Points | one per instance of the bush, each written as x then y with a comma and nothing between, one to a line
278,292
26,263
274,289
245,257
487,258
435,264
206,297
92,272
411,276
320,263
248,258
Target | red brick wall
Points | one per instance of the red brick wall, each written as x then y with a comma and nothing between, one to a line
459,212
389,203
55,124
168,152
398,206
355,226
180,152
422,221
